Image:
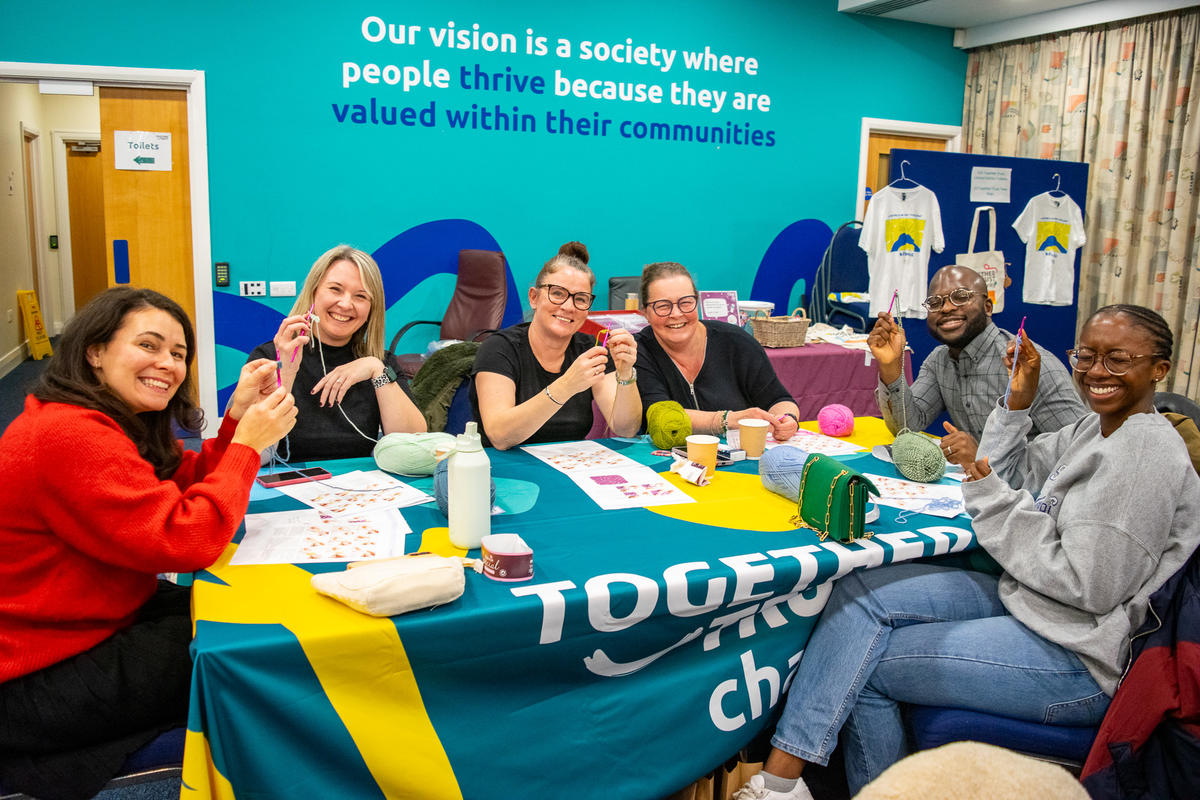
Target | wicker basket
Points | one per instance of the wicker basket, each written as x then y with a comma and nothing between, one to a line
786,331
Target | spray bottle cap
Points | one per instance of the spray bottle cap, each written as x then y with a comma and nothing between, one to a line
468,440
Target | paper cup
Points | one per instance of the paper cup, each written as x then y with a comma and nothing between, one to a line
753,436
506,557
703,450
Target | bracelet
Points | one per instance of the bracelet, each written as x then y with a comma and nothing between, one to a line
632,378
795,419
724,422
552,400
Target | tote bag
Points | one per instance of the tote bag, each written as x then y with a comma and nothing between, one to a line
988,263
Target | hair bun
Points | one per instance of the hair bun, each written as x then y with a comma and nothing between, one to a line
577,249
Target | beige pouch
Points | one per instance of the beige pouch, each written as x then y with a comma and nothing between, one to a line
393,586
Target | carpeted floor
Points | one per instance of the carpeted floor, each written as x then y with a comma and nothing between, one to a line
18,383
15,385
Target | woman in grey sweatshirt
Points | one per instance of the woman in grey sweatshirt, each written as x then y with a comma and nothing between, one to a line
1087,522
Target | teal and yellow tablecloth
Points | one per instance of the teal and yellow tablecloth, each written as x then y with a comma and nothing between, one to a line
650,645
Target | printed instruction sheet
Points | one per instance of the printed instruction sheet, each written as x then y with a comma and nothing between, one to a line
811,442
609,478
356,492
308,536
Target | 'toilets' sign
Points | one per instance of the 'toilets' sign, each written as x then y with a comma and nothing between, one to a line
142,150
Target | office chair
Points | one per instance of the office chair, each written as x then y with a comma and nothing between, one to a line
934,726
620,286
1170,401
476,308
843,269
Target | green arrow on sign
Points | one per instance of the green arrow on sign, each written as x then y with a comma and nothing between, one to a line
143,160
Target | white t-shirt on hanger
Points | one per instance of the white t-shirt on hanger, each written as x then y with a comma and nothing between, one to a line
1052,229
901,227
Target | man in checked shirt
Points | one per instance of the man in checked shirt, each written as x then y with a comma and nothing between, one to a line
966,374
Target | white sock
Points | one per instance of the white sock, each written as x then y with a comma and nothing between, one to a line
778,784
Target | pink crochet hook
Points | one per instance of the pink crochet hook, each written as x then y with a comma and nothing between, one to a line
1016,353
307,317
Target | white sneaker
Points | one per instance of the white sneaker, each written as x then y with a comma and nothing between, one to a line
755,789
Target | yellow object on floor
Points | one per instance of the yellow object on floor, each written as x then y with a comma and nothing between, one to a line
35,331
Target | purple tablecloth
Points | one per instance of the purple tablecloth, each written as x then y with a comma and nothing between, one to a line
819,373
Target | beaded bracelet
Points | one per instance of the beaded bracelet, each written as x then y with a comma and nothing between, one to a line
724,422
552,400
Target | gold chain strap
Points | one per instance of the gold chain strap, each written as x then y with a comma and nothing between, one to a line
798,518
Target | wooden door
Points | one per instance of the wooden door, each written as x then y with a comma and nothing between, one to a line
150,210
879,149
85,199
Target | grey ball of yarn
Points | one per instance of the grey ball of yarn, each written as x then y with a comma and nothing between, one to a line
781,469
918,457
441,486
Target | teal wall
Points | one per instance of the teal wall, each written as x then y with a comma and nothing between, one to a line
288,180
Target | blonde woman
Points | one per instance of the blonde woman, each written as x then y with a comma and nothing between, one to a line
333,362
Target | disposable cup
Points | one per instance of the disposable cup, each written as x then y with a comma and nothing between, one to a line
753,433
703,450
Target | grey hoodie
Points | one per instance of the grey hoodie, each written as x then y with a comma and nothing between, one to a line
1086,527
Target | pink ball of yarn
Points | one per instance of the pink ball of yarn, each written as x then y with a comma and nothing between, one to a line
835,420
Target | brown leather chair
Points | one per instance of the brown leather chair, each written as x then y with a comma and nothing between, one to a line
475,309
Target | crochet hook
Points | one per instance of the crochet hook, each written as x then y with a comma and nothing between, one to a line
307,317
1016,353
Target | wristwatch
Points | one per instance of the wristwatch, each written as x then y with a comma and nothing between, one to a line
632,378
387,376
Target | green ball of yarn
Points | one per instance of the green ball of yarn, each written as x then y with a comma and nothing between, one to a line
918,457
411,453
668,424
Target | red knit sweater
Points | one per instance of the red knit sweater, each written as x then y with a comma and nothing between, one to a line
86,526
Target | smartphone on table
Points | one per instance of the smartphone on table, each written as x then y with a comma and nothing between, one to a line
293,476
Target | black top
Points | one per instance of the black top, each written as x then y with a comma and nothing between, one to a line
736,373
507,352
322,433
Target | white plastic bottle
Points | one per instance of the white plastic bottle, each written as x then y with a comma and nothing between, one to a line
469,490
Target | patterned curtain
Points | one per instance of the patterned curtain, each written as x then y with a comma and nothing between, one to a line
1120,97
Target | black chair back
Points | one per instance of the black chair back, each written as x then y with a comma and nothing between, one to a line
620,286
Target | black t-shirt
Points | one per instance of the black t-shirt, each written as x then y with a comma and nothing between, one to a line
736,373
322,433
507,352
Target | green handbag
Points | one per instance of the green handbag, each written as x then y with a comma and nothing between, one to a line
833,499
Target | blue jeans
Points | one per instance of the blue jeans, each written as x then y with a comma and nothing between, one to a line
914,633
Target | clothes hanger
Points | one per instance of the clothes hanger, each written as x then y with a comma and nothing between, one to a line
1057,191
904,177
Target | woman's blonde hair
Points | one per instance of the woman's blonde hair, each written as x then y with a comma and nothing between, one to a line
368,339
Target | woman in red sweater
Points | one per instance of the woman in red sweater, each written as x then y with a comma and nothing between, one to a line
98,498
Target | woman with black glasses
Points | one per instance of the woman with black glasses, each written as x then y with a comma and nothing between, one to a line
535,382
715,370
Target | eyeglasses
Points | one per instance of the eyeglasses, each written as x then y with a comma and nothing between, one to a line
958,297
558,295
1117,362
687,304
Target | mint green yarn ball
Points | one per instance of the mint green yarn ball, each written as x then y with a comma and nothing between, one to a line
918,457
411,453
